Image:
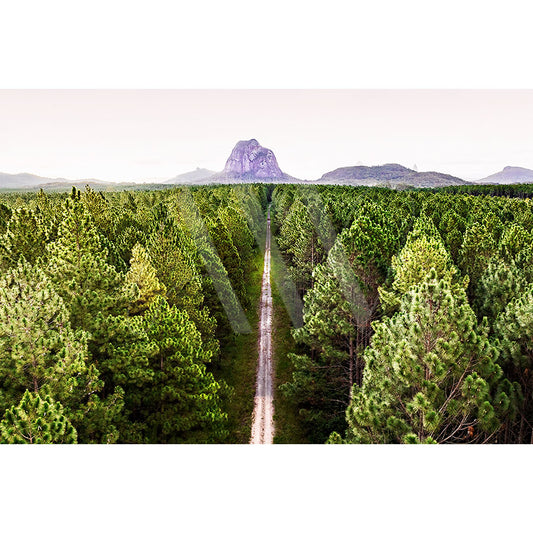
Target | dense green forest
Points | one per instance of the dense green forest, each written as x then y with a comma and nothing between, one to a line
128,317
115,309
418,317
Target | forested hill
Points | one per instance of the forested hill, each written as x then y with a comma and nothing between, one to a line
392,175
129,316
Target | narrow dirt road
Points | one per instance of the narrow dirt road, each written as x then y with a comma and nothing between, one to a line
262,421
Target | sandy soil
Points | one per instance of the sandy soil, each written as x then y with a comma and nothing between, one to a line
262,422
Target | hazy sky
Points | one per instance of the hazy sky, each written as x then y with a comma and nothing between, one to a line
145,134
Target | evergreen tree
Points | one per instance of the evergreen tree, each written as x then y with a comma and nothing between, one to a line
123,354
46,206
173,255
180,403
5,215
241,236
25,237
338,312
40,350
499,284
514,330
514,239
219,296
452,227
322,377
229,256
99,210
479,245
98,298
300,243
37,420
78,267
430,374
144,275
423,251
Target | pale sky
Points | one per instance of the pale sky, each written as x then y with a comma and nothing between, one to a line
142,135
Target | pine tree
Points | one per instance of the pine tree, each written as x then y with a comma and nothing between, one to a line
99,210
223,291
241,236
301,245
322,377
338,312
181,401
5,215
98,298
78,267
219,297
452,227
514,239
423,251
25,237
479,245
37,420
514,330
500,283
173,254
229,256
40,350
144,275
430,374
49,215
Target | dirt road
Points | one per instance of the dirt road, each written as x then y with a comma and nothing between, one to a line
262,422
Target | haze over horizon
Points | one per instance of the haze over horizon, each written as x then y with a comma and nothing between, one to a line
146,135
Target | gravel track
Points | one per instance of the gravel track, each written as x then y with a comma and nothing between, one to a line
262,418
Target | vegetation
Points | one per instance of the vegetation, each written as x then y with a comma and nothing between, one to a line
416,320
399,316
117,311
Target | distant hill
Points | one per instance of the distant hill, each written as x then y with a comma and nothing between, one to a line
390,175
16,181
195,176
97,185
32,182
249,162
509,175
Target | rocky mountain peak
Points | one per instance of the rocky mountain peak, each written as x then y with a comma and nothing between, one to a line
250,159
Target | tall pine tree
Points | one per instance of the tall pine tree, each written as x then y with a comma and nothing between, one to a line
430,374
37,420
40,351
180,402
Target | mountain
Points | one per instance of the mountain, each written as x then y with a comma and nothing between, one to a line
250,162
509,175
31,182
390,175
97,185
16,181
195,176
249,158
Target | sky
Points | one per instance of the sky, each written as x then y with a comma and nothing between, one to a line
149,135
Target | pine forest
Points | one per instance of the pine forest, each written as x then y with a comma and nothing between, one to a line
398,316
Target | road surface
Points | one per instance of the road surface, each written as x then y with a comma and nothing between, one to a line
262,422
